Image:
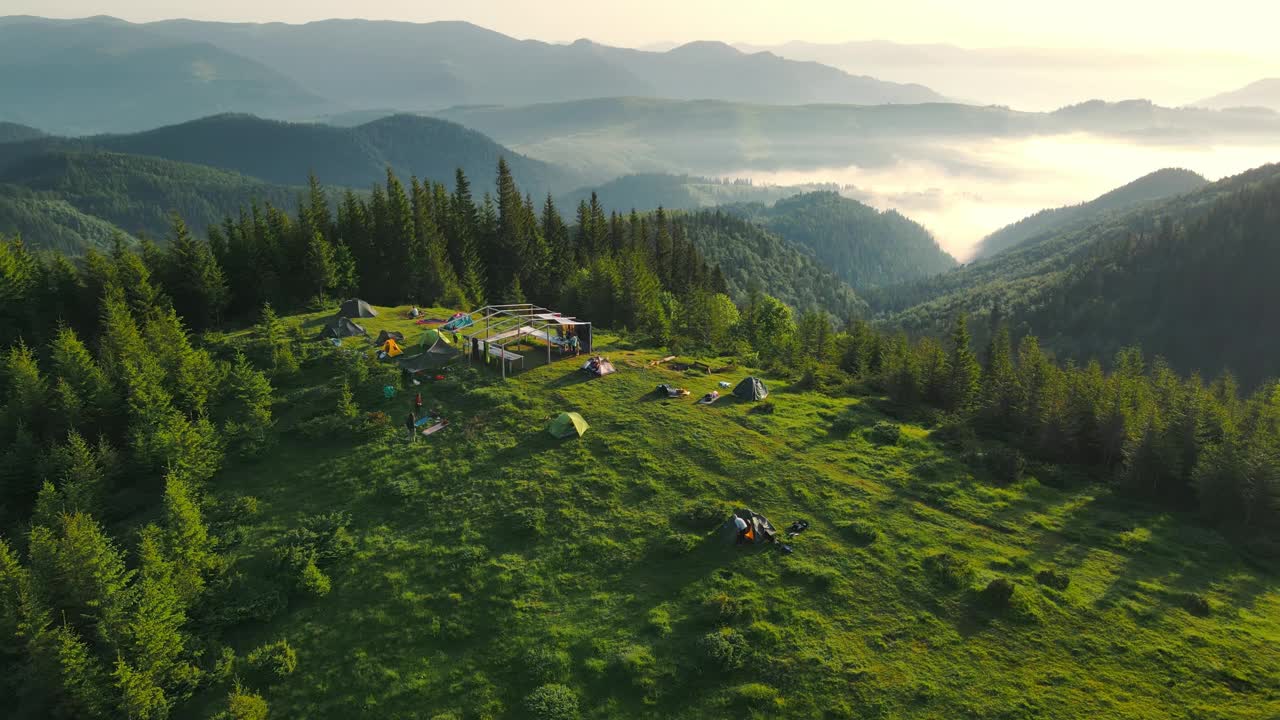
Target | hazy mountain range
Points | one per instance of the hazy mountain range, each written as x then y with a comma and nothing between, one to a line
106,75
1261,94
1036,78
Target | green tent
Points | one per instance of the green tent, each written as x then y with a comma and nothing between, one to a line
568,424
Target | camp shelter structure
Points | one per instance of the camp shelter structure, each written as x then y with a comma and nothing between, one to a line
355,308
391,348
751,388
386,335
598,367
759,529
341,327
568,424
495,328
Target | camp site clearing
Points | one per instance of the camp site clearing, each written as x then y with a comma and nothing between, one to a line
493,558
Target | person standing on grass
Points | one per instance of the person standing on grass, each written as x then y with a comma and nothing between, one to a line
741,524
417,403
412,424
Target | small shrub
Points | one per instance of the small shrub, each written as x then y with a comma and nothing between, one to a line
680,544
725,649
245,506
764,634
859,531
885,433
313,581
1005,464
245,705
998,593
660,620
948,571
764,408
547,664
844,423
277,659
956,433
1196,604
755,696
375,424
530,520
702,515
552,701
1053,578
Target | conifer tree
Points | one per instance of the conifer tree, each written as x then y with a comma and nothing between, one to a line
189,373
272,333
963,371
153,639
82,683
249,415
1001,386
25,391
79,475
319,270
193,279
140,697
81,574
189,545
17,287
74,365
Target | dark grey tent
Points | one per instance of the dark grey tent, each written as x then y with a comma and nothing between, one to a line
761,529
357,309
342,327
389,335
438,355
751,388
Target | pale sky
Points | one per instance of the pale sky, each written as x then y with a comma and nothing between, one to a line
1236,26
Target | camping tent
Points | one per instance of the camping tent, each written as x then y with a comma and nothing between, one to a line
341,327
354,308
391,348
598,367
386,335
759,527
751,388
568,424
458,321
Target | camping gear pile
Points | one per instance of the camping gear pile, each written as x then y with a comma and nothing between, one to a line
567,425
457,322
671,391
598,366
758,528
709,398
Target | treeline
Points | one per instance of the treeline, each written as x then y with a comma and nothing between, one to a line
1175,441
123,431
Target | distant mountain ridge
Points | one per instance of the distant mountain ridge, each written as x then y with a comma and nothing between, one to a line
284,153
102,74
1155,186
1264,93
87,76
13,132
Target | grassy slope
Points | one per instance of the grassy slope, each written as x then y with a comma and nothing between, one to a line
448,597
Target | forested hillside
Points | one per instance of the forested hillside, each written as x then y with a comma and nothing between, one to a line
1159,184
285,153
135,194
865,247
203,519
13,132
1185,278
755,259
676,192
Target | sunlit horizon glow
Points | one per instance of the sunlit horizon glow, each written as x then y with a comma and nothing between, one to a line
1232,27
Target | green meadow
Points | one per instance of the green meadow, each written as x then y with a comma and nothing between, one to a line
491,560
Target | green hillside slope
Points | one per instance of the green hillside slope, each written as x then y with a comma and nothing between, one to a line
1187,278
1158,185
864,246
45,220
490,560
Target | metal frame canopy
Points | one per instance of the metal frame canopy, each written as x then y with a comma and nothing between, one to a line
498,326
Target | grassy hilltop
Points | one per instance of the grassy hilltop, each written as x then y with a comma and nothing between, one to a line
489,560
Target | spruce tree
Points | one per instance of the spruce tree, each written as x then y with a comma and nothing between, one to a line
189,544
81,574
92,393
249,413
153,639
319,269
1001,387
140,697
193,279
963,371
